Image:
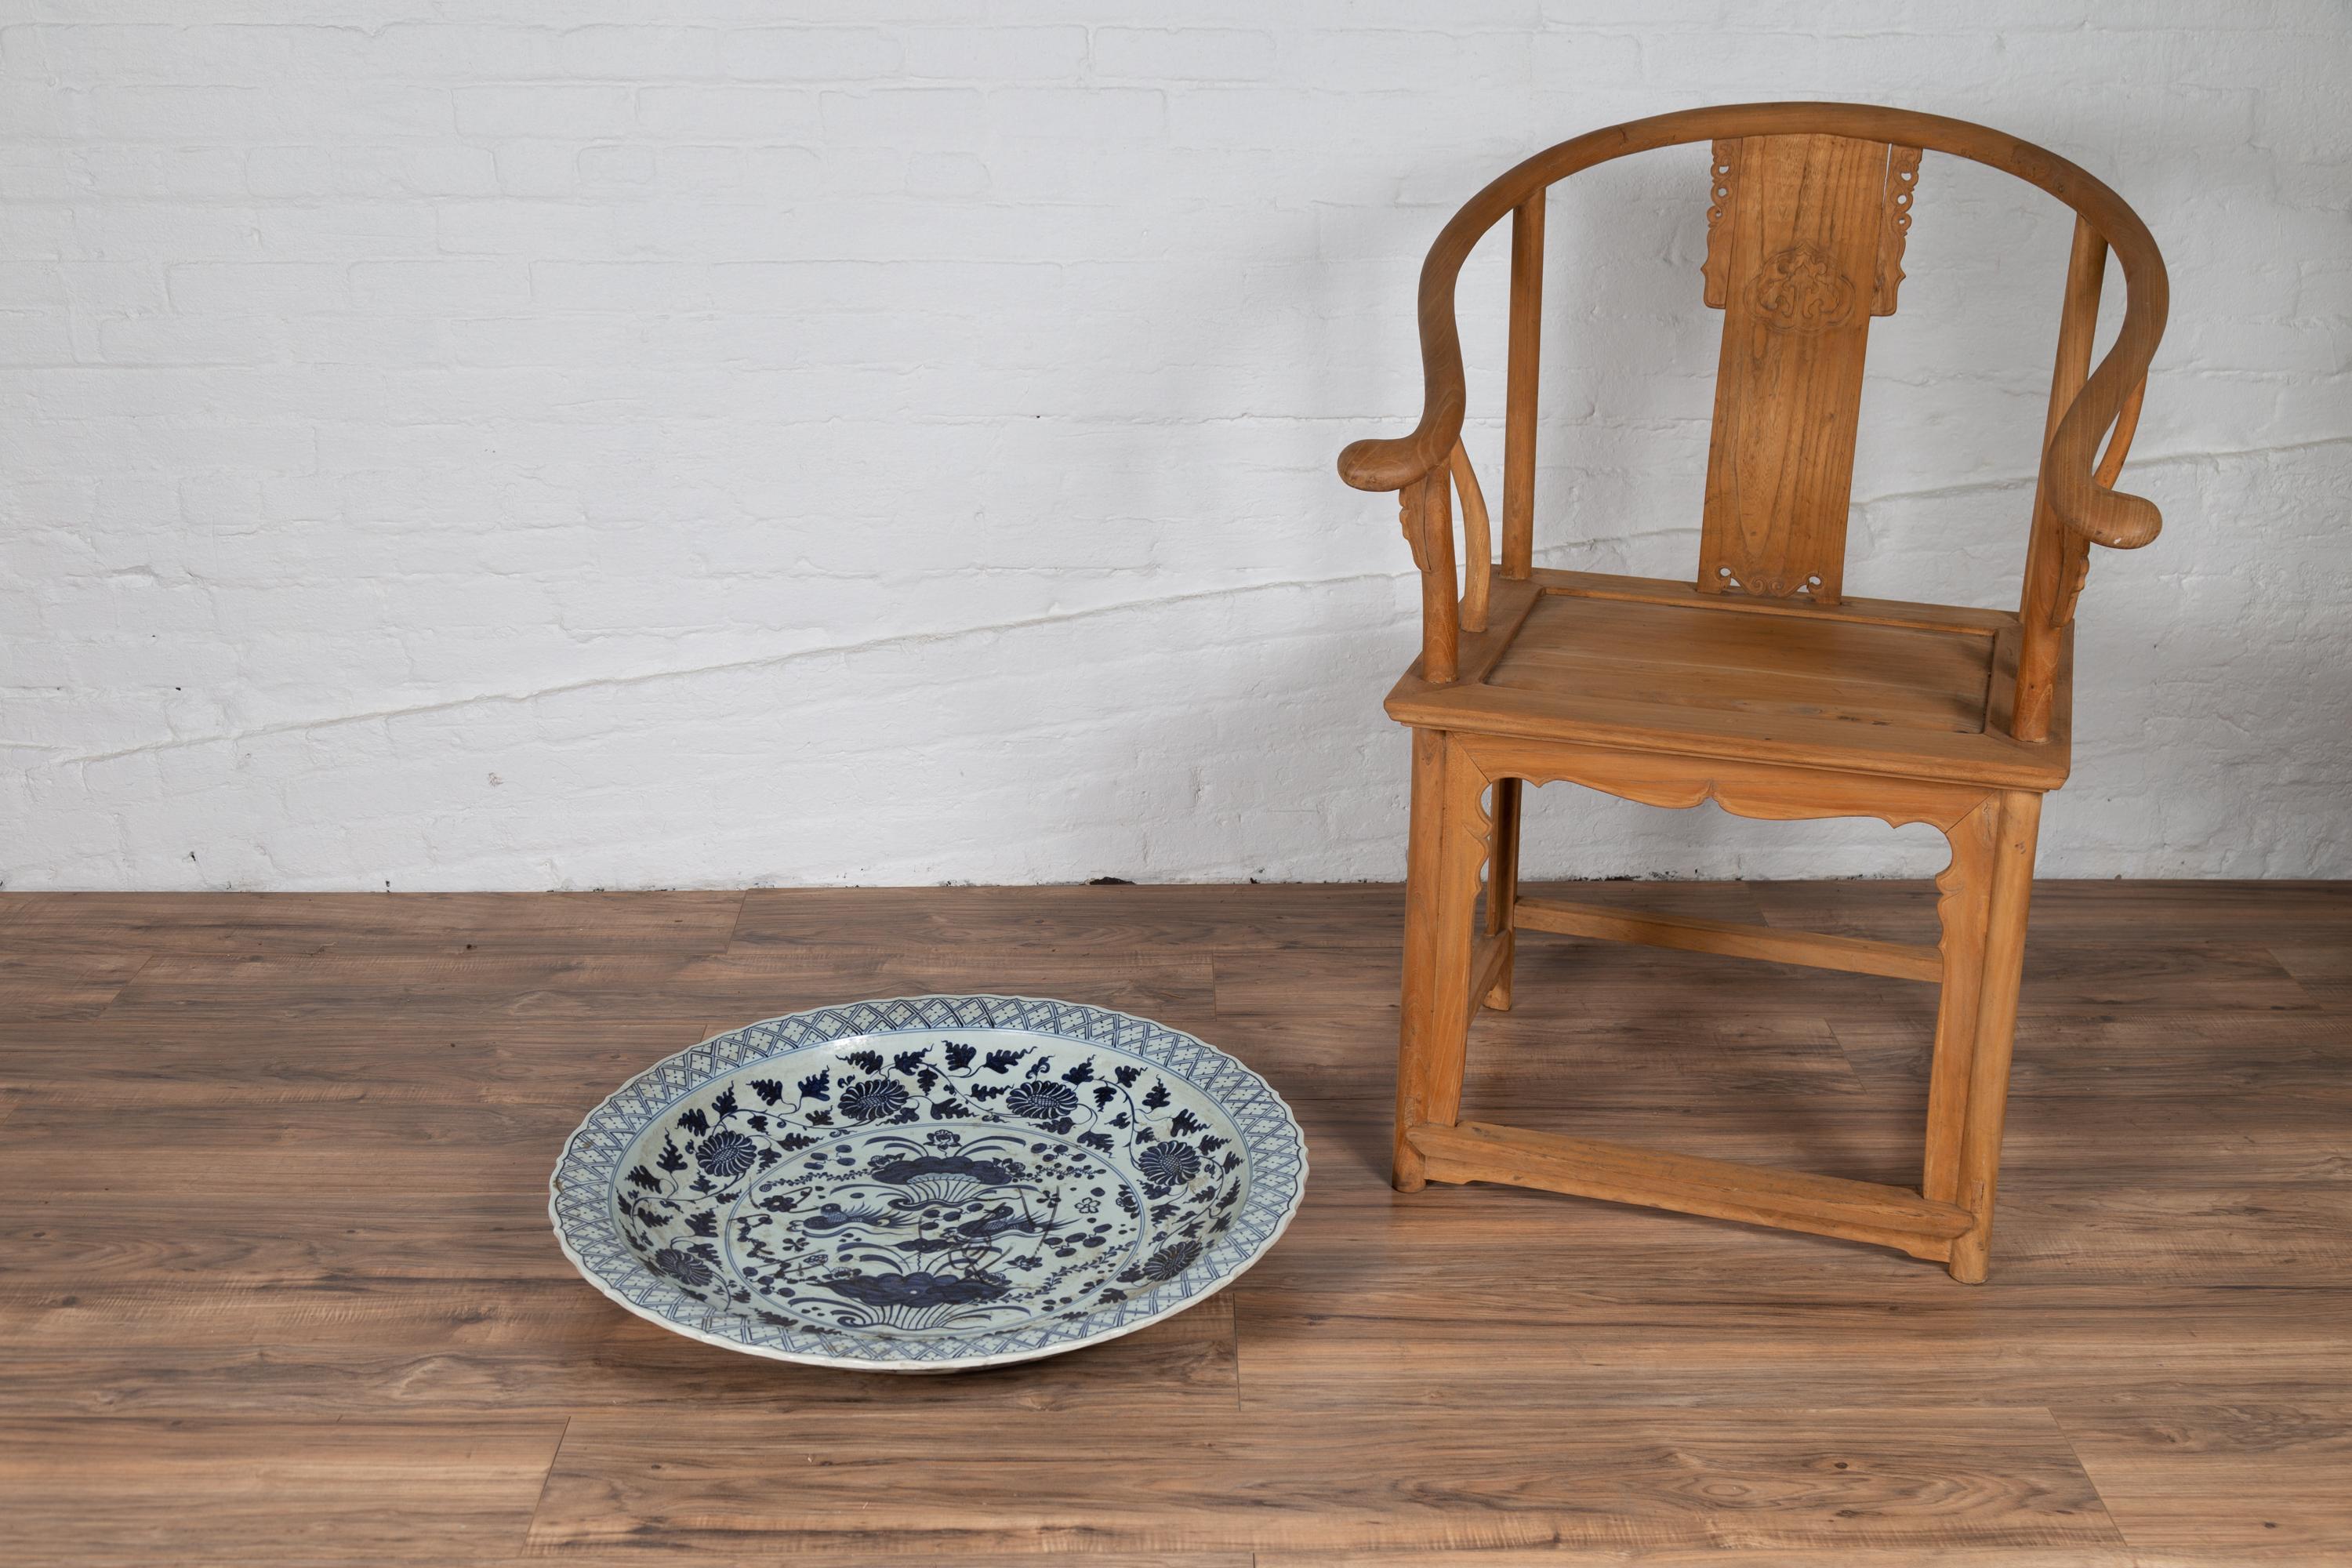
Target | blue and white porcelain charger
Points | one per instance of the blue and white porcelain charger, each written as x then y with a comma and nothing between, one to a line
930,1184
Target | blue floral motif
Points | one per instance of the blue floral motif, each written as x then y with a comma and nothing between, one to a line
926,1184
725,1153
1170,1163
1171,1261
683,1266
1042,1101
873,1099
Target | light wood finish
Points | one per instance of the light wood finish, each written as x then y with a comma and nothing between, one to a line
1503,889
1719,1189
1981,1121
1760,685
1794,250
1895,216
2105,516
312,1314
1963,894
2058,558
1429,524
1477,543
1598,670
1522,370
1825,674
1441,891
1899,960
1489,954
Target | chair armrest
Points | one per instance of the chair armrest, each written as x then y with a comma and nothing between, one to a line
2080,493
1394,462
2080,487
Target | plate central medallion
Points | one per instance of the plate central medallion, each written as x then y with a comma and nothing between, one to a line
954,1230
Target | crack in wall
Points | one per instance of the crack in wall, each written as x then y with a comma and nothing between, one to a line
918,638
909,639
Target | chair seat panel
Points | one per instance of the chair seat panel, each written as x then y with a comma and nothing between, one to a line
1867,687
1697,657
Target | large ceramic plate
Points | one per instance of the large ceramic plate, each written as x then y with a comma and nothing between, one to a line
930,1184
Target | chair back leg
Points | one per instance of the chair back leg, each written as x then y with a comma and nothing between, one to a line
1503,889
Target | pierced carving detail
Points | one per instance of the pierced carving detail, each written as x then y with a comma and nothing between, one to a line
1800,289
1902,184
1411,505
1723,177
1768,585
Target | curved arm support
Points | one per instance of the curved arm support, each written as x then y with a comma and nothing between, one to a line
2079,477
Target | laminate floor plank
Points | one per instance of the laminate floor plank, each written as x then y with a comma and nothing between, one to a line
1077,919
2251,1059
2323,969
431,1347
2212,1224
740,986
272,1066
61,987
276,1284
1746,1554
2221,1484
2107,910
1529,1056
119,1489
1453,1347
290,923
1624,1479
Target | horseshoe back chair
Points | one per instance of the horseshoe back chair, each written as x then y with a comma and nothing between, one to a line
1760,685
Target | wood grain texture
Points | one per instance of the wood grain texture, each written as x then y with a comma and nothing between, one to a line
1098,920
226,923
1817,669
1719,1189
2221,1484
62,985
2056,555
133,1491
1904,961
314,1316
1627,1480
1522,371
1693,720
1793,261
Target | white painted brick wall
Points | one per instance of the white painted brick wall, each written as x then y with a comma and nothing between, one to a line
490,444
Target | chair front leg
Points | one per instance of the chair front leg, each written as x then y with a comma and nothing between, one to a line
1447,848
1996,1030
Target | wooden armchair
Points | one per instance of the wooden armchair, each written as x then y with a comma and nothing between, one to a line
1760,686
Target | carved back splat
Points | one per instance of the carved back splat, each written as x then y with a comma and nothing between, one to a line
1804,244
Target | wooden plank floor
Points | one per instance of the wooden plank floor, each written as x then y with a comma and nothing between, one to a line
276,1283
